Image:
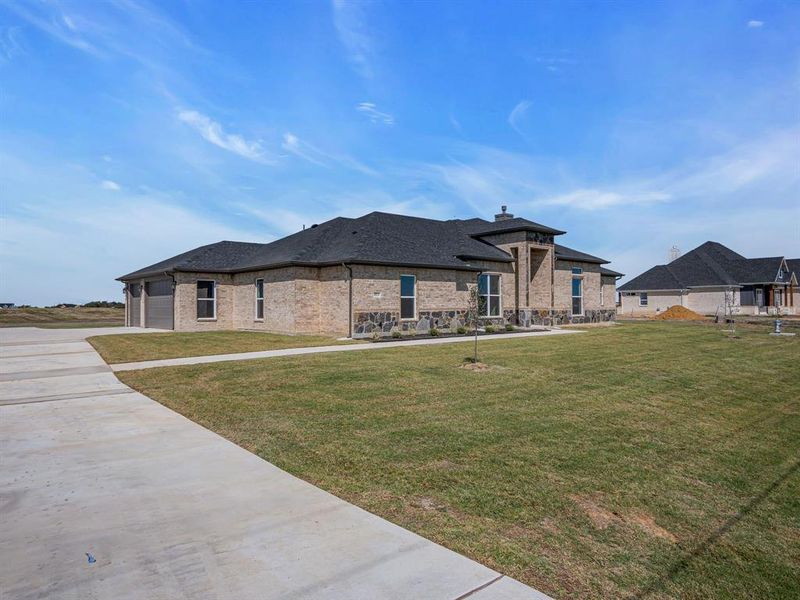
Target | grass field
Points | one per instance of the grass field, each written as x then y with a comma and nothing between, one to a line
135,347
648,460
62,317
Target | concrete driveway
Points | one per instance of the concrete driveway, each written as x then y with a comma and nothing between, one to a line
168,509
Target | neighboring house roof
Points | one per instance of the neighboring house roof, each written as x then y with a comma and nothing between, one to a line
710,264
564,253
794,266
376,238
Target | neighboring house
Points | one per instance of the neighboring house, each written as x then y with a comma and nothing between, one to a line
701,279
6,305
376,273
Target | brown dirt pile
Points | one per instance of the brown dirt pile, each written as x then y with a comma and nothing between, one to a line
679,313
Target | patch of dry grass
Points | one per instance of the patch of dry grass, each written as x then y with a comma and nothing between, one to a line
652,460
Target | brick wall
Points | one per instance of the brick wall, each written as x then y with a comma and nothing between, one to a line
186,302
314,300
279,300
562,285
656,302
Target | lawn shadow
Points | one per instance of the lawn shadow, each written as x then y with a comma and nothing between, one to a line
683,563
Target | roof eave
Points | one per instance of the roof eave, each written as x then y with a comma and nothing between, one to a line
595,261
548,230
144,275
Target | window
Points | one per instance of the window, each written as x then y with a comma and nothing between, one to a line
489,295
408,297
577,271
259,299
577,295
602,300
643,299
206,300
780,273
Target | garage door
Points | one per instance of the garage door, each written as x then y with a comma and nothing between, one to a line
134,305
158,304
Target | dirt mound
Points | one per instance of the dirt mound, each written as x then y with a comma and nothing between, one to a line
679,313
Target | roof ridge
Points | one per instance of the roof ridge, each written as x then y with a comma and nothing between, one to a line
712,264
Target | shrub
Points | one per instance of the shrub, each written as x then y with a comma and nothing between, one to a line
433,331
509,327
396,333
376,335
490,329
461,330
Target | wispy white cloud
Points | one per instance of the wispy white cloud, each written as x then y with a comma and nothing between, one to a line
10,44
130,29
554,63
50,19
311,153
110,185
50,255
232,142
291,143
517,115
373,114
456,124
350,21
594,199
753,24
484,176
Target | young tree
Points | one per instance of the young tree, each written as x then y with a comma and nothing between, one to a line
730,304
473,315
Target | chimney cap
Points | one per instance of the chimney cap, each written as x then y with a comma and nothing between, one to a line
504,215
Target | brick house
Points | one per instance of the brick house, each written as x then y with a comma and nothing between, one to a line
712,279
376,273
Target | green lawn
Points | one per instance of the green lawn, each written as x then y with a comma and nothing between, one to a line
54,318
652,460
134,347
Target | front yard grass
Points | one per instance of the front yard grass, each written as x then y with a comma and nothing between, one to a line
135,347
648,460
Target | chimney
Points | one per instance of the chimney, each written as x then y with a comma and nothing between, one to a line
503,216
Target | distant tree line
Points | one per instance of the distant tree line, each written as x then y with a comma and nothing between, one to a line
92,304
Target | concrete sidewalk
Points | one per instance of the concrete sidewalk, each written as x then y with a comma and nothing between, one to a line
196,360
169,509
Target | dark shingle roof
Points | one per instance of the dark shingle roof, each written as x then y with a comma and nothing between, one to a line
564,253
794,266
479,227
610,273
220,256
710,264
376,238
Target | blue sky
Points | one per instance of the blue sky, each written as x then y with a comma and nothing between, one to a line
131,131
